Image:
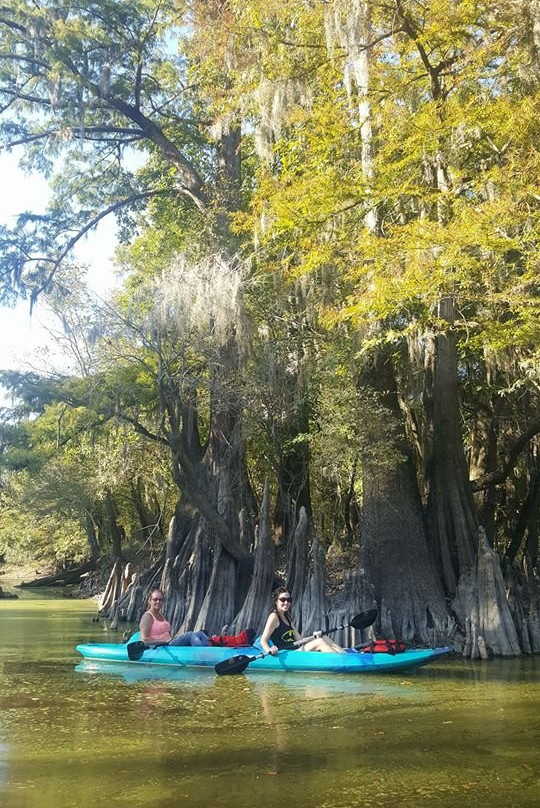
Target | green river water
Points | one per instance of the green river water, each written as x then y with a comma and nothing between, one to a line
452,734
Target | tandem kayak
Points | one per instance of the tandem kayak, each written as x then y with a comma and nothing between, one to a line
291,661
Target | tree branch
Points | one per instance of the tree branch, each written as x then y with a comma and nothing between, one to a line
433,71
75,131
88,226
142,430
13,25
16,57
499,476
18,95
189,485
193,184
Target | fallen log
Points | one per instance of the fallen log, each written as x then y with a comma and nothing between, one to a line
61,578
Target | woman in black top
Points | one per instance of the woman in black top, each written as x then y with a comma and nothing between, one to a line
280,631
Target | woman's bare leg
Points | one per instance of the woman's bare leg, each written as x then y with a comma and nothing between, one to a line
324,644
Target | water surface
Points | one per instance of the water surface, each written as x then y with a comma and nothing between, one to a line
83,735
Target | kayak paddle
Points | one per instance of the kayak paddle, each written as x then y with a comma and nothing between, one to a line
136,649
238,664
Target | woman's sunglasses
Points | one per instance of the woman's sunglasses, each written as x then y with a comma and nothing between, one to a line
285,600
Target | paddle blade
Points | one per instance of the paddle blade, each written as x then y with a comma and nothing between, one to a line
364,619
135,650
235,664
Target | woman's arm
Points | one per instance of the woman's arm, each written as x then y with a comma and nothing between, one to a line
271,624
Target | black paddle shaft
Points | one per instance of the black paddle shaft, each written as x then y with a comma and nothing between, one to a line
238,664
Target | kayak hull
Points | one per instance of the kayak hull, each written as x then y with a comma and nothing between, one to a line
290,661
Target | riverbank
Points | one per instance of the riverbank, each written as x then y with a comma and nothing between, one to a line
13,575
17,573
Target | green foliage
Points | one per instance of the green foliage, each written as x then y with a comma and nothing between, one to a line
33,532
455,166
63,463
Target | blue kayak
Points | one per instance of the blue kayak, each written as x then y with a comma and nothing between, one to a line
291,661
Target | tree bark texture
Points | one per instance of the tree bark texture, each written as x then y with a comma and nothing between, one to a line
306,579
484,460
289,421
452,519
297,567
257,603
314,600
482,607
91,536
524,601
394,551
116,531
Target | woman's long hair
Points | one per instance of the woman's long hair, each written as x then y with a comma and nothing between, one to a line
275,595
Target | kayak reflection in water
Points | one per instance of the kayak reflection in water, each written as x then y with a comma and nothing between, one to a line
156,630
280,631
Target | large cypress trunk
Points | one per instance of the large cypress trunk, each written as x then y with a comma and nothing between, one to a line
452,518
469,568
481,604
207,568
483,461
394,551
293,474
287,363
256,605
212,582
306,579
